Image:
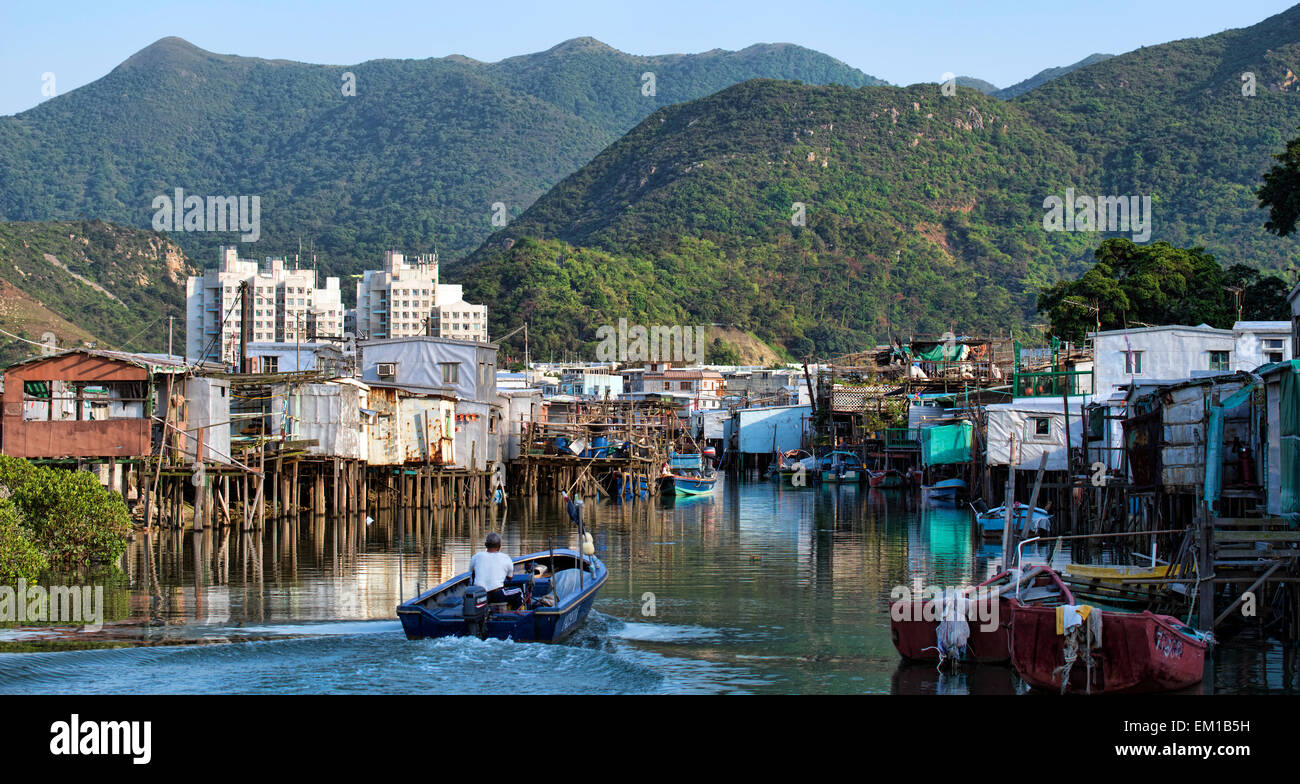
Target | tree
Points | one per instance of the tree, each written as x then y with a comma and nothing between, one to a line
1281,191
1143,285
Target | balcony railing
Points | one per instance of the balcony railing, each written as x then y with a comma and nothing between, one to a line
1053,383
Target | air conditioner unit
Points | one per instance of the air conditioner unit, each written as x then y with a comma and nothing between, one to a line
387,369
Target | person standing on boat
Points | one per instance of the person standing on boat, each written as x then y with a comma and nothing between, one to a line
490,568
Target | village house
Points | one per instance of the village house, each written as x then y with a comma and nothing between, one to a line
693,388
1177,353
463,370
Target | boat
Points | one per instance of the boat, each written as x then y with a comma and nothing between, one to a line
886,478
790,464
559,589
946,491
992,521
693,481
1110,652
914,627
689,474
841,467
1129,587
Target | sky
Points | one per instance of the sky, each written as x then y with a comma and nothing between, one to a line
1000,41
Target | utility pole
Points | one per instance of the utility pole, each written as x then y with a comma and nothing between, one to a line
246,323
170,319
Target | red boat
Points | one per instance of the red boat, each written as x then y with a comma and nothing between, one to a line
886,478
914,626
1138,652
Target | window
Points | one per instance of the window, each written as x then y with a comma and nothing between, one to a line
1133,362
1042,426
1220,360
450,372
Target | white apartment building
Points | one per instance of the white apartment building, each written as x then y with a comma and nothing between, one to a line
396,301
287,306
453,317
404,299
1177,353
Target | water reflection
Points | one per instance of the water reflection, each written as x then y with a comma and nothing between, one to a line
758,587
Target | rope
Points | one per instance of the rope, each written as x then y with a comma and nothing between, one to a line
1071,649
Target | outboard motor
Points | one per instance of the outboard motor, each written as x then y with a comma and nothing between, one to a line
475,610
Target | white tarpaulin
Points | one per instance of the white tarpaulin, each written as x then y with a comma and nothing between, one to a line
1039,427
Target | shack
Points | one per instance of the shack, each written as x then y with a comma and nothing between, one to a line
1039,426
331,417
1169,437
771,430
411,426
1281,448
87,404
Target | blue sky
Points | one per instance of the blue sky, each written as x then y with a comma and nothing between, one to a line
1002,41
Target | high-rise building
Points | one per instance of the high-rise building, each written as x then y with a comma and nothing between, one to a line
287,306
404,299
453,317
395,302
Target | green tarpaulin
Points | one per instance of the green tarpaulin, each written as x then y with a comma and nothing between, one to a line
1289,409
942,353
946,444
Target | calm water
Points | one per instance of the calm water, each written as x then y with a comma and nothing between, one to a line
759,589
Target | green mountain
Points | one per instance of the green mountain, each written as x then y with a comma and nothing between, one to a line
924,212
920,211
988,88
89,282
1173,122
416,159
1046,75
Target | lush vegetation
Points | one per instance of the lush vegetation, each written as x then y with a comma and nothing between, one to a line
414,160
58,518
921,213
1145,285
140,277
1046,75
1172,122
1280,193
20,558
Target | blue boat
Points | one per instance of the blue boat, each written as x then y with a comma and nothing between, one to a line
556,602
946,491
994,520
841,467
689,474
689,481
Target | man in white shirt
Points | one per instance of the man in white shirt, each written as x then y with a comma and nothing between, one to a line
490,569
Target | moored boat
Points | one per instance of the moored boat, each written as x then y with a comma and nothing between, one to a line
947,491
886,478
690,481
841,467
556,601
992,521
914,626
790,464
1086,649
